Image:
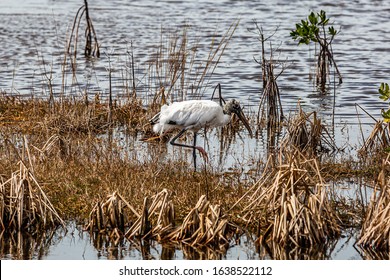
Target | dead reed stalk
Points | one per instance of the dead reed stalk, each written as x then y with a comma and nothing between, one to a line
204,225
375,233
378,141
24,205
89,50
270,106
291,204
307,133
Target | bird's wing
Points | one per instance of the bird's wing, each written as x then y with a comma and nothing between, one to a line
190,114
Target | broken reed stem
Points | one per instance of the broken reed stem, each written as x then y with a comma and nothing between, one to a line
88,33
89,50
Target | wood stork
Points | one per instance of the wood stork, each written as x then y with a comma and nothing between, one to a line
193,115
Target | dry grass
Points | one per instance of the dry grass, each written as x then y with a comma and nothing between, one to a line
81,158
182,67
70,116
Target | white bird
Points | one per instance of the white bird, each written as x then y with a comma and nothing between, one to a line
193,115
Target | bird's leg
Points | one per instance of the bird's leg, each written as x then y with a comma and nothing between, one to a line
194,151
200,149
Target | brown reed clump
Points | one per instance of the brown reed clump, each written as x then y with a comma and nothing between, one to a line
110,214
377,142
291,204
308,134
157,218
375,233
115,214
204,225
24,205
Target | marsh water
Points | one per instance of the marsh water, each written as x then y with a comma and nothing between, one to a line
33,36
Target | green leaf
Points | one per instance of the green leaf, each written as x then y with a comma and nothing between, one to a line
322,15
313,18
332,31
308,30
384,91
387,149
325,22
386,115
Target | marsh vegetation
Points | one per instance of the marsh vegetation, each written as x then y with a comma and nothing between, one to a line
82,158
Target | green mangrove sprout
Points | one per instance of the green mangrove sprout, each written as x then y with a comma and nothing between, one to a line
315,29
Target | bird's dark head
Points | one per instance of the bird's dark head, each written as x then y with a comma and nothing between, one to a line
233,107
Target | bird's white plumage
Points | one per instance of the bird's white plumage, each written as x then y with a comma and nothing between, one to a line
192,114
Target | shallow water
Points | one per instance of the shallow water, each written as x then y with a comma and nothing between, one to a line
33,35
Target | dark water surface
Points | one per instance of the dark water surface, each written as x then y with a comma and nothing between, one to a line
33,36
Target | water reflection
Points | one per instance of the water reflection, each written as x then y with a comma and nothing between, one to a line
370,254
245,247
76,244
25,246
315,252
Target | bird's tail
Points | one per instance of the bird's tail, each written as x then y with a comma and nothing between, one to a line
157,128
155,119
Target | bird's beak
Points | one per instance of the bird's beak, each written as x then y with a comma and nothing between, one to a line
241,116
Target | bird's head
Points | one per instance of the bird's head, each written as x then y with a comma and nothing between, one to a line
233,107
